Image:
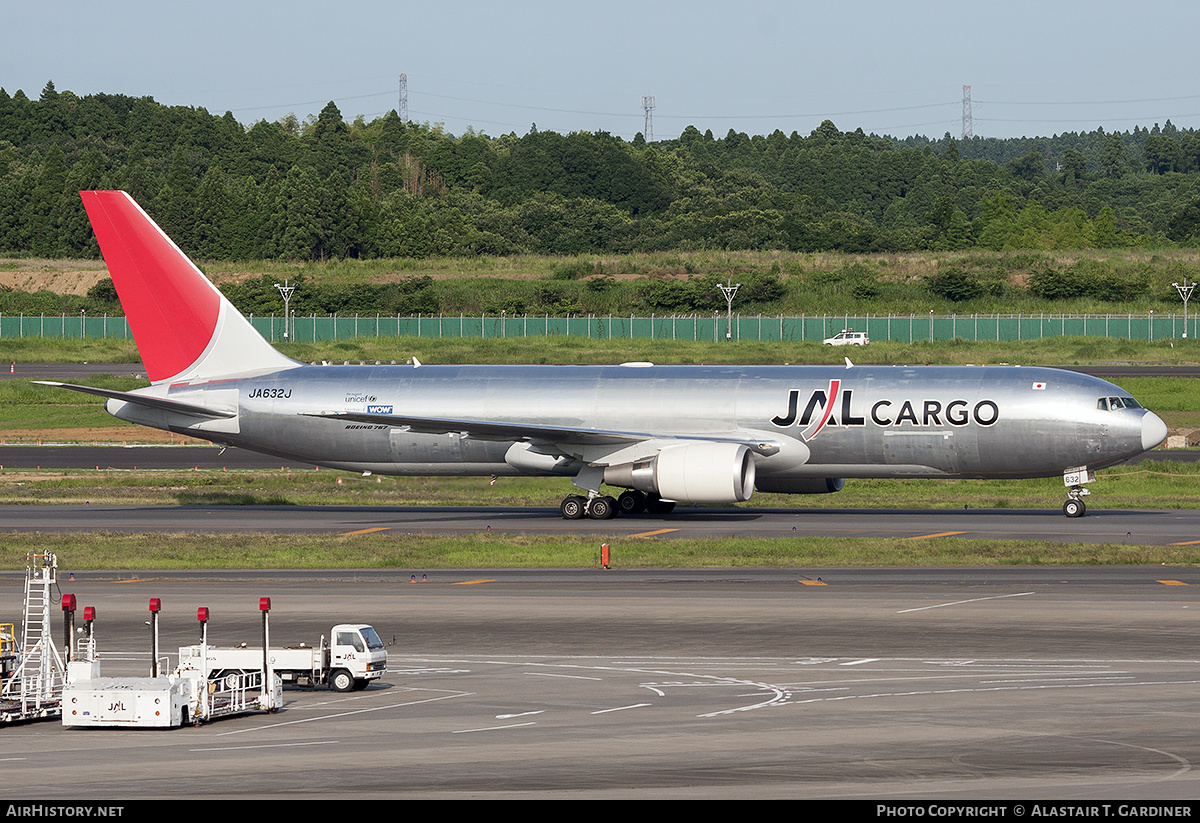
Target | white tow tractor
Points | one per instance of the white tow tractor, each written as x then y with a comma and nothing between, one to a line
353,657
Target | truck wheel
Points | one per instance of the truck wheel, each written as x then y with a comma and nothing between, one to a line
341,681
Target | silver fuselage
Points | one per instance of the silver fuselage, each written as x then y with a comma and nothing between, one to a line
821,421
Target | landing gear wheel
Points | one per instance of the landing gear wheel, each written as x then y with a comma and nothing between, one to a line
1074,508
656,505
631,502
572,507
602,508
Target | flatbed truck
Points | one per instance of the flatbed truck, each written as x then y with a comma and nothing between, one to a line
353,657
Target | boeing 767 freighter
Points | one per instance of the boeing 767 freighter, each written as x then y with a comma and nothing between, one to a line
664,434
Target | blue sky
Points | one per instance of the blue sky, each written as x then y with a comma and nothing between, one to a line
1035,68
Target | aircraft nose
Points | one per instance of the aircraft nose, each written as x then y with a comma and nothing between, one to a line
1154,430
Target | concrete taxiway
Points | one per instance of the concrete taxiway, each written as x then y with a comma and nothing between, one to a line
914,683
1117,526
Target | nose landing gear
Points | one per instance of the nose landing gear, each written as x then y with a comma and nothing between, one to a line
1074,478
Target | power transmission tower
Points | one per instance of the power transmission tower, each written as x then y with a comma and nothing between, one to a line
403,110
968,128
648,108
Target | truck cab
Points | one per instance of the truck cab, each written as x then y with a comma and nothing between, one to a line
356,656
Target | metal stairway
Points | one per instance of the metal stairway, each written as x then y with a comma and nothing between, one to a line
35,689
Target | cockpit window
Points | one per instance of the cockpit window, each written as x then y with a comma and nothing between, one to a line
1117,403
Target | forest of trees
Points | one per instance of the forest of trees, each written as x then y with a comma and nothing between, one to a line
327,189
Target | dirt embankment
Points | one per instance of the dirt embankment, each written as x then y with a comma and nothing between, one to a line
59,276
103,435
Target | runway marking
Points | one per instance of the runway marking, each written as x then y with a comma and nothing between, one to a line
780,695
518,714
471,582
493,728
366,531
1186,543
939,534
1172,582
349,714
661,531
960,602
567,676
623,708
860,662
264,746
1093,679
1036,687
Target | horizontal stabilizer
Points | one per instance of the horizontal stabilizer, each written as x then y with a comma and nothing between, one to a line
144,400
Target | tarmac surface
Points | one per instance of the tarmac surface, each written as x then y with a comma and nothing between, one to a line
1099,526
880,683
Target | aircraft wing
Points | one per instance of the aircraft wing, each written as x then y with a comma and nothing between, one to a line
540,434
144,400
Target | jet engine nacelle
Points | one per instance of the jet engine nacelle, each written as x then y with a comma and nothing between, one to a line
800,485
691,473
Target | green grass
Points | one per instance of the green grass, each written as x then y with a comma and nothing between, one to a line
26,406
74,350
1148,485
144,553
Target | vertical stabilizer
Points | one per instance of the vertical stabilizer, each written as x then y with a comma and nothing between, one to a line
184,327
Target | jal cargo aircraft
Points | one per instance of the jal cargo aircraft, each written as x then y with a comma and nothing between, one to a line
665,434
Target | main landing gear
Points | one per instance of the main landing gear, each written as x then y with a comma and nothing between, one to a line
603,507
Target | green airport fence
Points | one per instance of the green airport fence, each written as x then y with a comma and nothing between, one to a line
811,328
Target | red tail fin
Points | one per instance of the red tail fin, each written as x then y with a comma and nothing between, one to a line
177,316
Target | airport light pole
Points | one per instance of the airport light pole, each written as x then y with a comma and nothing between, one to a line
286,291
1185,291
729,291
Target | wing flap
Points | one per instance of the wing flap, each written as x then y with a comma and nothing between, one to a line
491,429
584,443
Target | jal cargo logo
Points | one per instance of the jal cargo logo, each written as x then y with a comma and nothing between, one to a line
379,409
818,412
